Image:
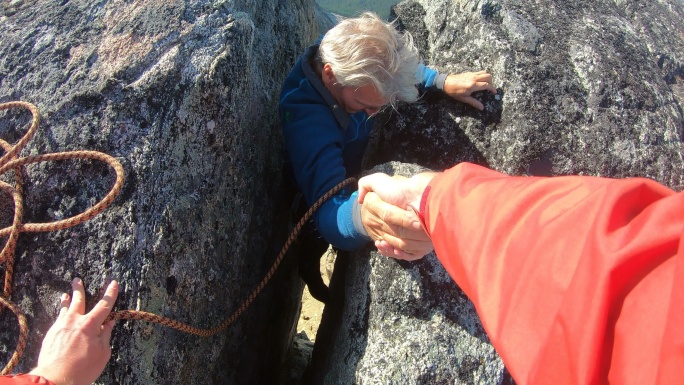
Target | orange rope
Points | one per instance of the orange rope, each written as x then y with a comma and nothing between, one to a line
9,161
144,316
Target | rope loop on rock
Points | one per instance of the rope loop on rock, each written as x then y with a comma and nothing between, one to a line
11,161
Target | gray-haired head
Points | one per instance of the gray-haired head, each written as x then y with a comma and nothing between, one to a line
367,50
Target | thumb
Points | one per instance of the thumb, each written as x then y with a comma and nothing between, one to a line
362,192
367,182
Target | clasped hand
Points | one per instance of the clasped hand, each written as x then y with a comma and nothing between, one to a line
389,214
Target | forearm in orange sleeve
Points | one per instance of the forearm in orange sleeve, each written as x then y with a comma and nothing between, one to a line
24,379
573,277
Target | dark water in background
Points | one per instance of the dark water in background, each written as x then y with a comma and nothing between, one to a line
351,8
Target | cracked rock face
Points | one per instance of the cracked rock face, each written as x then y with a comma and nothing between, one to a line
184,94
584,87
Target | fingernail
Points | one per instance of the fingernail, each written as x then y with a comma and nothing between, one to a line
76,281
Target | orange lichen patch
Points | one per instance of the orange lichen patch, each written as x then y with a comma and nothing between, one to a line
121,47
118,51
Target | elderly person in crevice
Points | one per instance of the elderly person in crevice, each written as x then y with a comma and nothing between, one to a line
327,104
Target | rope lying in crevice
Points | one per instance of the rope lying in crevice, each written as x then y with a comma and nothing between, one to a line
151,317
10,161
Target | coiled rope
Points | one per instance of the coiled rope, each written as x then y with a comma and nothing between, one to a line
11,161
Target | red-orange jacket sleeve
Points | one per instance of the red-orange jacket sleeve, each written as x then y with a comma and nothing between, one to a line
577,280
24,379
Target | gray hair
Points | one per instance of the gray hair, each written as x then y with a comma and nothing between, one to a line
367,50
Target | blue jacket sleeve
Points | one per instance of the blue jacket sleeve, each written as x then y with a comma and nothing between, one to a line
335,221
431,77
314,145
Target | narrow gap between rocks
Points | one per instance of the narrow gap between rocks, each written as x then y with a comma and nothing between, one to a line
307,326
312,309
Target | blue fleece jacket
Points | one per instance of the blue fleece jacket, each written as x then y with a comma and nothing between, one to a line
324,145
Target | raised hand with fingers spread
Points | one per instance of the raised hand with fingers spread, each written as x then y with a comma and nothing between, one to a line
76,348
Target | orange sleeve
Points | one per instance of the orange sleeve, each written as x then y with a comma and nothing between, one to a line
24,379
577,280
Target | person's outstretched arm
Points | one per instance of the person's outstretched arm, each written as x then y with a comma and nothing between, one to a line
577,280
459,86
